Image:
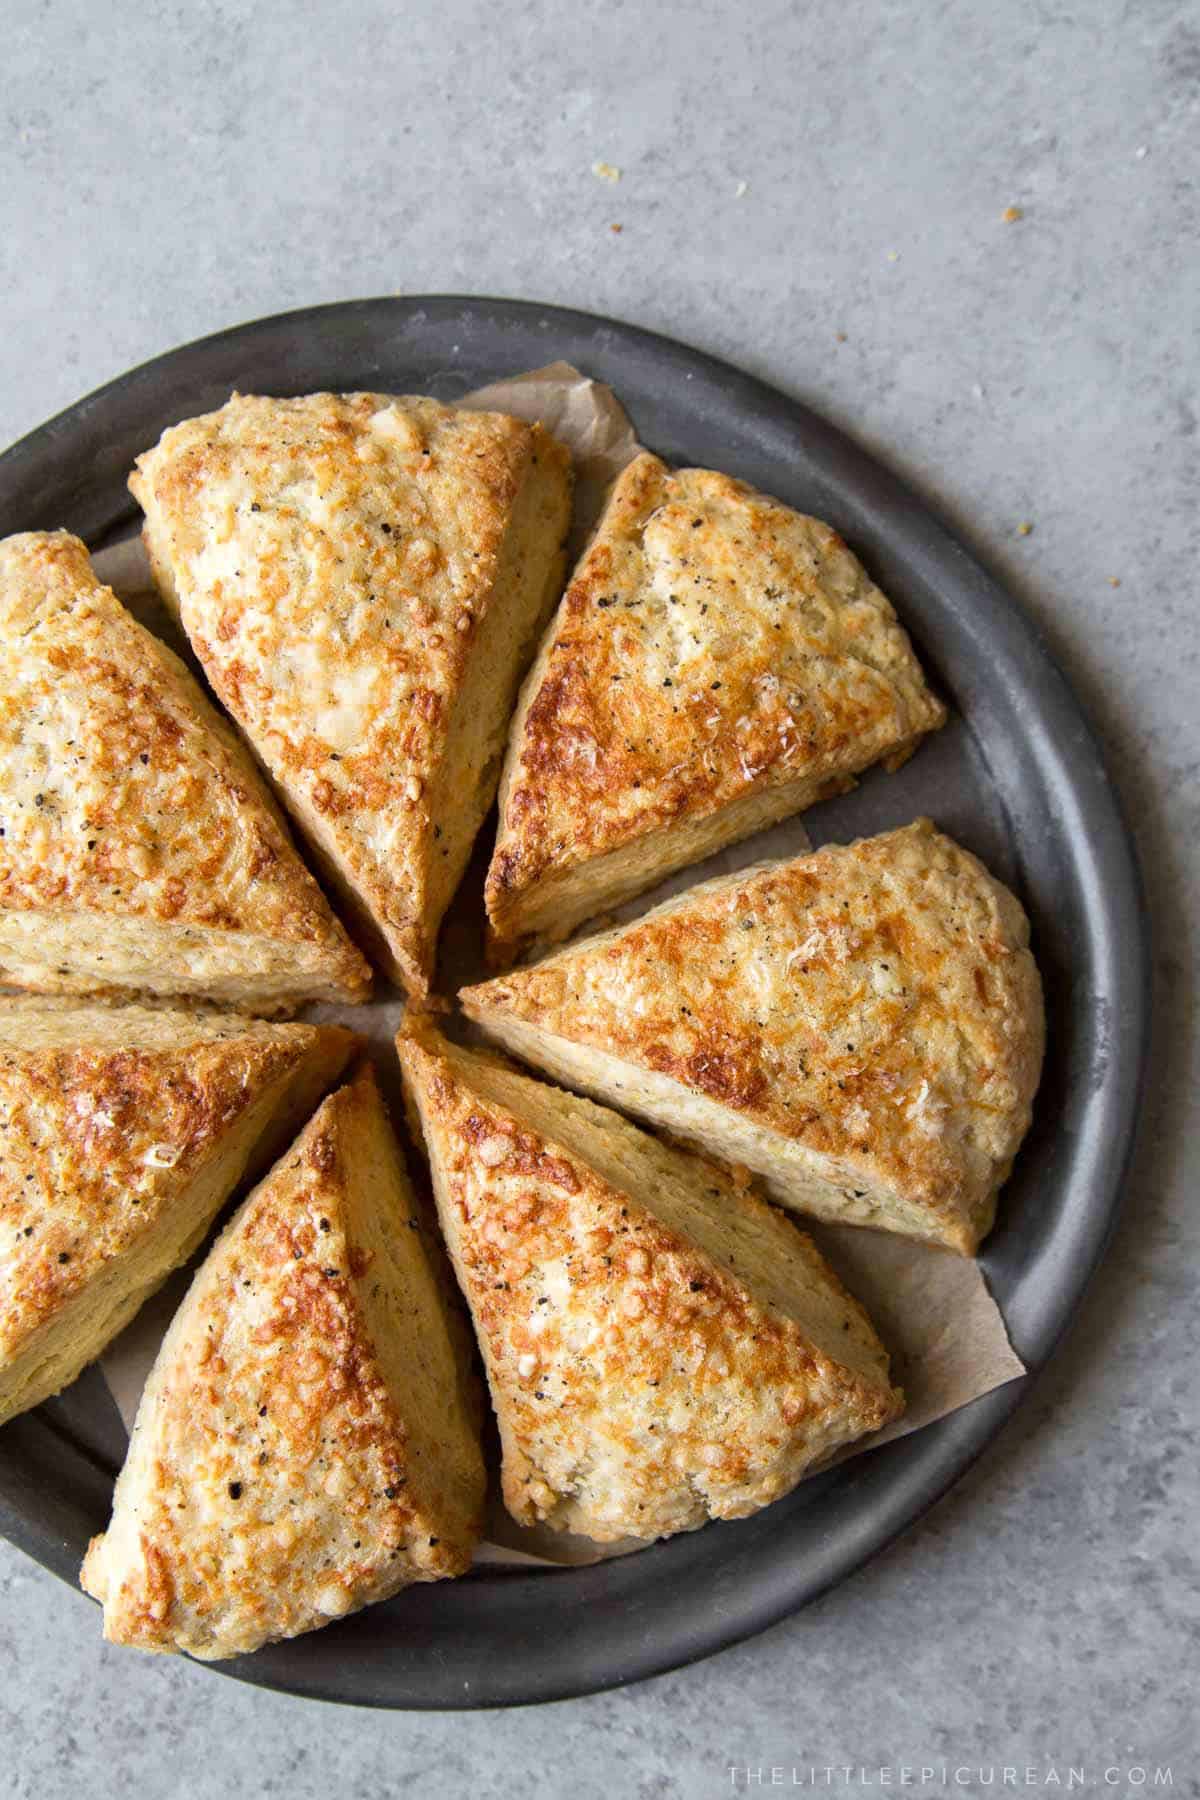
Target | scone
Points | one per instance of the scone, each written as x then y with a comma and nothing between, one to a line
862,1026
364,580
662,1348
139,849
718,663
308,1439
123,1130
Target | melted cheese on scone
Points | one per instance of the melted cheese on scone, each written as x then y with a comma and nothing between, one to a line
364,579
139,848
662,1348
123,1130
862,1026
718,663
307,1441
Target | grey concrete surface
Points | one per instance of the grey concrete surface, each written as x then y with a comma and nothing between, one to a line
172,168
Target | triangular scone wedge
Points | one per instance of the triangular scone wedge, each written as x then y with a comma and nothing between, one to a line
139,848
718,663
123,1130
662,1348
863,1027
308,1439
364,580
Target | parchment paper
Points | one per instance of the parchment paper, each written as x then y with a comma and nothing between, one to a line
931,1308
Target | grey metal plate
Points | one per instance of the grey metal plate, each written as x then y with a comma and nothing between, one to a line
1017,776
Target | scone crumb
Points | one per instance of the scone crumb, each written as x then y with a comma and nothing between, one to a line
606,171
617,228
333,1600
1011,214
1114,581
1025,528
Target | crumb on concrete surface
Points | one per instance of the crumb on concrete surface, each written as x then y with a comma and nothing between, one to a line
1114,581
741,190
606,171
616,228
1024,528
840,336
1011,214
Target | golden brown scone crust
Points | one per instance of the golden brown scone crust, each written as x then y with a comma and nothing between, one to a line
718,662
304,1445
642,1383
863,1026
123,1131
140,850
363,579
